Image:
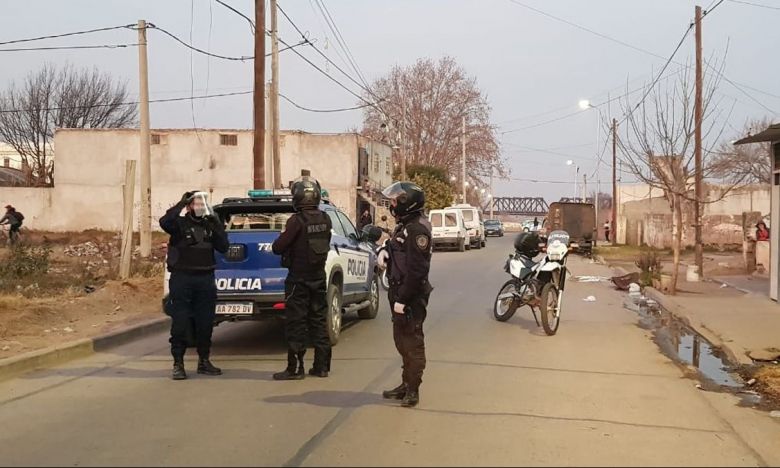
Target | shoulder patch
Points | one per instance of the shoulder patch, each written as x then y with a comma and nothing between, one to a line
422,241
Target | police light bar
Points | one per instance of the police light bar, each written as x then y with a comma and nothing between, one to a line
268,193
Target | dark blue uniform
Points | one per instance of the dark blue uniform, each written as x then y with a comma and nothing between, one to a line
193,293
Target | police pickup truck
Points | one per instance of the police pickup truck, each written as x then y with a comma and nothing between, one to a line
250,278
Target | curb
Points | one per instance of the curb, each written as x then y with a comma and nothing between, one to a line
678,312
55,355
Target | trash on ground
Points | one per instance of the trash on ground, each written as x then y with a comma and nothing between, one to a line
591,279
775,414
590,299
724,285
751,382
623,282
68,330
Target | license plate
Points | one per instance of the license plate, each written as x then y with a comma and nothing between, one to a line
235,308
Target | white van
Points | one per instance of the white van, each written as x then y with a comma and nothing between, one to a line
473,221
449,229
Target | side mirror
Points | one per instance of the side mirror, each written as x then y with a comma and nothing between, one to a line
371,233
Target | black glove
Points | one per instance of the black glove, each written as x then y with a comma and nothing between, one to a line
214,221
186,198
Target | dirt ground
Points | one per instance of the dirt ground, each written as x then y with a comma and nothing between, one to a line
79,295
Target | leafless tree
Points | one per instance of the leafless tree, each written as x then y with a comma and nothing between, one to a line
658,143
750,164
66,98
427,102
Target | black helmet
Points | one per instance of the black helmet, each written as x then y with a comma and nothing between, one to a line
306,193
409,198
527,243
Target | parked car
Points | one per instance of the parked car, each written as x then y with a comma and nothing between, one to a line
250,277
473,221
449,229
494,227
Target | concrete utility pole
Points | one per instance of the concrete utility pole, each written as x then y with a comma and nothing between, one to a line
403,144
128,194
145,144
614,182
698,115
275,96
492,197
584,187
463,156
258,173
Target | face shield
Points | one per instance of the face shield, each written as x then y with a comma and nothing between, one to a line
199,205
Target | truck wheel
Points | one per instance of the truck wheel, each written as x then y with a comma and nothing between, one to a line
372,310
478,245
461,245
334,317
484,242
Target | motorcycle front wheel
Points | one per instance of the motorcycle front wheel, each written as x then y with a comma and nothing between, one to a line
505,305
551,316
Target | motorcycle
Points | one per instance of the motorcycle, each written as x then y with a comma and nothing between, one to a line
383,279
536,284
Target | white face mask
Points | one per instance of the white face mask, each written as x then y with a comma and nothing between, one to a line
200,205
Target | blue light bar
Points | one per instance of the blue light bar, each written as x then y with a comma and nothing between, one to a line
261,193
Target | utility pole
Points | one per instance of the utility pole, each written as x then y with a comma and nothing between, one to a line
275,96
258,153
491,192
403,144
145,144
463,156
614,182
584,187
698,115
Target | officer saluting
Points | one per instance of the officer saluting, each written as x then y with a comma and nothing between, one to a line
407,255
193,294
304,245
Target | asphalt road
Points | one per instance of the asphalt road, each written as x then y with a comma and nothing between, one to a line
598,393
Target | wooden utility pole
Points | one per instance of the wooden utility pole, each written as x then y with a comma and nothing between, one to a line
403,144
614,182
128,194
145,144
463,157
698,115
275,97
258,176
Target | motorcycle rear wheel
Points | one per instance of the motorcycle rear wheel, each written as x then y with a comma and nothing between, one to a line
504,309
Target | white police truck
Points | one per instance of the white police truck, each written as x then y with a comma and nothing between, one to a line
250,277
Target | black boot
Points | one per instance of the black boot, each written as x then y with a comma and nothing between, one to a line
398,393
411,399
294,369
178,370
318,372
206,367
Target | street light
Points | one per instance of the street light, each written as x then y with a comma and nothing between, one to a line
576,175
585,104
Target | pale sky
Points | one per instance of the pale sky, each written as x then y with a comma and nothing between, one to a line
533,68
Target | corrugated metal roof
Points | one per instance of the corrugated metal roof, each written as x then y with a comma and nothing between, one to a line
772,133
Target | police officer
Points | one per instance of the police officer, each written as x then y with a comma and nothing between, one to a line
407,256
304,245
193,293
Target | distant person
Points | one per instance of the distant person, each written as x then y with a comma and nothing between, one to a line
366,219
607,229
536,224
762,232
14,219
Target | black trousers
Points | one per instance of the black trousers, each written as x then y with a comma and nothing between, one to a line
192,304
410,339
306,319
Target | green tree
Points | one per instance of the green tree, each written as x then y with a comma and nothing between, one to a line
438,194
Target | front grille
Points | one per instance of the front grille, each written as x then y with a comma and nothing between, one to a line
236,253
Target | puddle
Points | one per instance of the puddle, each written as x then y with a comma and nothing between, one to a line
683,345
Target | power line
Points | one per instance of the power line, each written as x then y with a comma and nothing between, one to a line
251,23
196,49
340,39
76,33
129,103
344,109
104,46
755,4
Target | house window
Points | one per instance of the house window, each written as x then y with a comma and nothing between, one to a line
388,166
376,164
159,139
228,140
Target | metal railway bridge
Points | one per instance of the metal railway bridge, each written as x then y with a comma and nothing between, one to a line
522,206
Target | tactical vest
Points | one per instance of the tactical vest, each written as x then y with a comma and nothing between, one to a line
194,251
310,252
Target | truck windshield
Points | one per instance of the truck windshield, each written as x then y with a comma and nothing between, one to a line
468,215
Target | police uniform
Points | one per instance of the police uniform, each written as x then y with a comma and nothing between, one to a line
192,298
304,245
409,251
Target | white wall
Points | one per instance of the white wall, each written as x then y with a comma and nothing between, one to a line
90,173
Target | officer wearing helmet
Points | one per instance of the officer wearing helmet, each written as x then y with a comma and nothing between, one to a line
407,257
304,245
193,293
